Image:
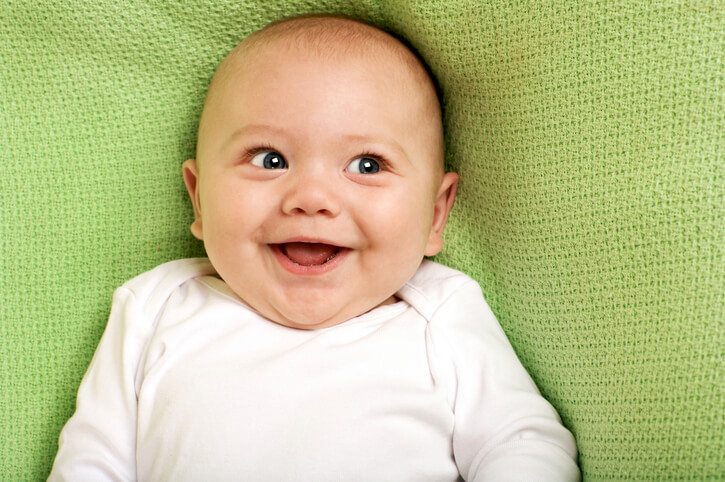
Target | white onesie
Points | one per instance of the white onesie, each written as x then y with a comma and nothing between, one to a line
189,383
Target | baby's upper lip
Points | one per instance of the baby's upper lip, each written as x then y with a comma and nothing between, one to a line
310,240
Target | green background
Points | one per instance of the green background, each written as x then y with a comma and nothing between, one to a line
589,137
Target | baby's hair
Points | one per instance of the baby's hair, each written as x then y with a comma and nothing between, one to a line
317,32
334,35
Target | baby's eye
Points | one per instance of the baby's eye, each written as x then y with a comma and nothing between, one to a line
269,160
363,165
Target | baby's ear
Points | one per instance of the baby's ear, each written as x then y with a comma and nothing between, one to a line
191,179
443,205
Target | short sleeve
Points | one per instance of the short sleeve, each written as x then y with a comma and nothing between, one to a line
504,429
98,443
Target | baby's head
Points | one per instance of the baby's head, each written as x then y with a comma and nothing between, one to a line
318,185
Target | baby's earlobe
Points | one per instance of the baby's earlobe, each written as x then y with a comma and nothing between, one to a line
197,230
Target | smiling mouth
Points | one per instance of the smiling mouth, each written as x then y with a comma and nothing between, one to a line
309,254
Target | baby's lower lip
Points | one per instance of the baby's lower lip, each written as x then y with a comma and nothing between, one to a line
333,257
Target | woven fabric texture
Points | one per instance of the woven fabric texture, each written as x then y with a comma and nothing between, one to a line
589,137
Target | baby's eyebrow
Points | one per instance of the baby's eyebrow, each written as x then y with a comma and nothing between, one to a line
388,143
254,130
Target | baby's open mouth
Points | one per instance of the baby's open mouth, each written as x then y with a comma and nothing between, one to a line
309,254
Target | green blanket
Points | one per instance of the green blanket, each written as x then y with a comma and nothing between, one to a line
589,137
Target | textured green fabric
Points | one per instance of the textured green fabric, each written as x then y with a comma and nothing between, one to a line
589,137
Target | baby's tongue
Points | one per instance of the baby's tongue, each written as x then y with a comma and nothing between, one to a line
309,254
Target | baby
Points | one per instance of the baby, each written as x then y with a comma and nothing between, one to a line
315,343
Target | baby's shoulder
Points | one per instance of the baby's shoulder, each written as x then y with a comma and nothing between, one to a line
435,286
157,284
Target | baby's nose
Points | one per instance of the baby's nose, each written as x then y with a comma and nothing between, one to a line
311,194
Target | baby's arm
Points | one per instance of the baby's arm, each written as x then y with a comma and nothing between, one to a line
99,442
504,429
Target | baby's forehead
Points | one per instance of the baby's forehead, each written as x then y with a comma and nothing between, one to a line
329,39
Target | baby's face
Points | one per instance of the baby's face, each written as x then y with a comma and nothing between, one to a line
318,188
